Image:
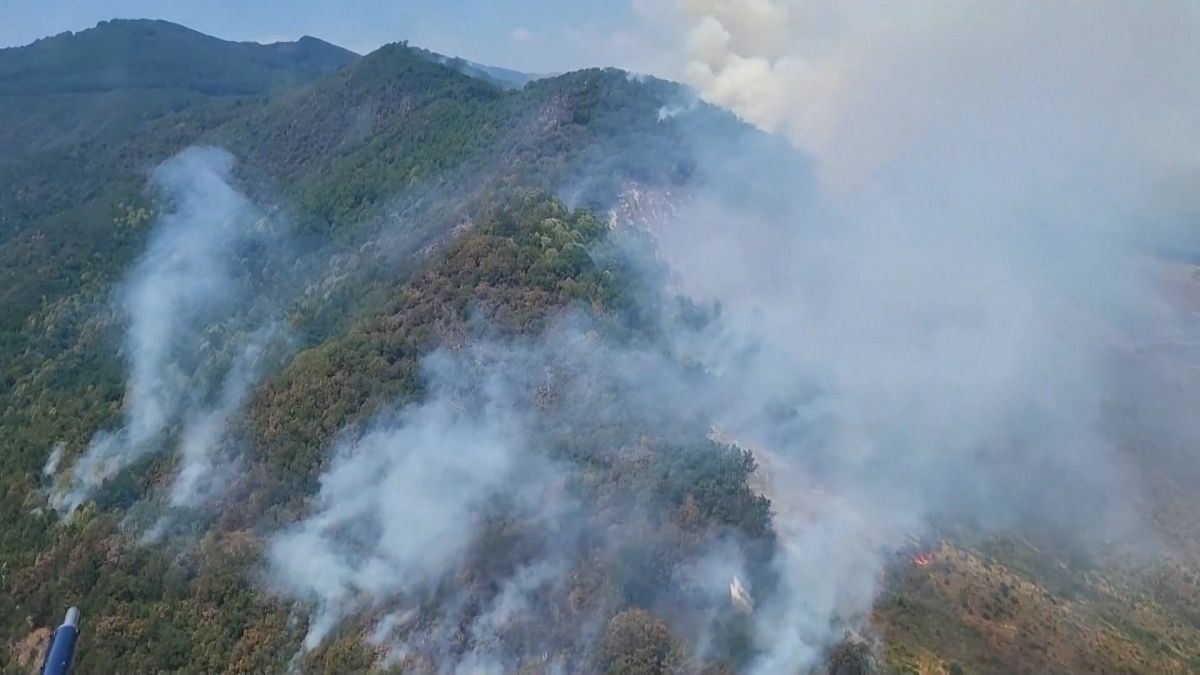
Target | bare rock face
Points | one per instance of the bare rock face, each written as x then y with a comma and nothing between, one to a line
28,651
649,208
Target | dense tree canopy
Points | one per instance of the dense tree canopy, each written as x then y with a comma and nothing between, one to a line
445,206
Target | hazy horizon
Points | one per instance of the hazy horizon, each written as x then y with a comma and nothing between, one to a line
539,36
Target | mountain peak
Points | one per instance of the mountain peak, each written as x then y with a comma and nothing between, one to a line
136,54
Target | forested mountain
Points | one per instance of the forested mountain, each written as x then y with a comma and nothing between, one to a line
451,271
503,77
146,54
74,87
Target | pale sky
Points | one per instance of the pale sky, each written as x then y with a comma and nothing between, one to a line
530,35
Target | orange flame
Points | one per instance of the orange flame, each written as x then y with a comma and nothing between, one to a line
923,559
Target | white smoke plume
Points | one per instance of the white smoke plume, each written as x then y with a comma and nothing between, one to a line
927,330
179,301
400,504
198,479
52,461
397,523
922,332
867,88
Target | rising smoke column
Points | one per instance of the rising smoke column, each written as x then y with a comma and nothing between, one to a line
204,429
864,85
989,180
402,502
191,279
399,529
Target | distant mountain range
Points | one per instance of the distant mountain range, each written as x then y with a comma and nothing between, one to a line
150,54
68,87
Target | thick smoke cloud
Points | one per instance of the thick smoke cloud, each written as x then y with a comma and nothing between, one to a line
191,345
928,332
400,527
918,330
398,506
912,325
403,502
869,89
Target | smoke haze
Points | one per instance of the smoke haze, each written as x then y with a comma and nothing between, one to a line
182,304
914,326
398,506
910,321
988,181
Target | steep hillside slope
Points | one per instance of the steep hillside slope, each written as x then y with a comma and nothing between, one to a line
393,152
502,77
457,405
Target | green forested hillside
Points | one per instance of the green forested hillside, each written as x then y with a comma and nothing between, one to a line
145,54
116,77
393,146
435,213
196,608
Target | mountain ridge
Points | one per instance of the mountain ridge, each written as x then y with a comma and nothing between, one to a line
447,223
147,53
